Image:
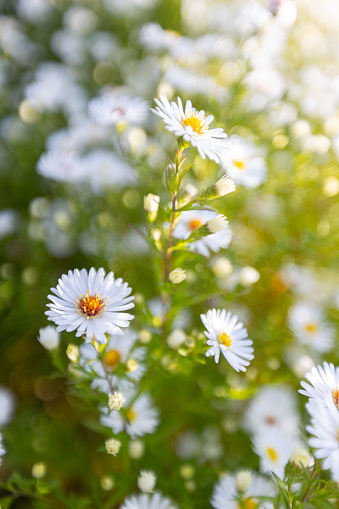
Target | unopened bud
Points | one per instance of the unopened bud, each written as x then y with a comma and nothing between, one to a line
243,479
301,457
177,276
132,365
73,353
151,205
176,338
146,481
112,446
224,186
39,470
116,401
136,449
217,224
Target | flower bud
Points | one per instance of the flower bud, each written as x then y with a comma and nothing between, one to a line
116,401
243,479
49,337
112,446
39,470
73,353
177,276
146,481
136,449
151,205
224,186
217,224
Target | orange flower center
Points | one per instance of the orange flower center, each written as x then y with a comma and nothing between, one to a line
91,305
197,123
111,359
224,339
194,224
335,397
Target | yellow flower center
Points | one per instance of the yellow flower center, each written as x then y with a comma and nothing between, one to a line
193,224
239,164
224,339
247,504
272,454
131,415
111,359
91,305
335,397
197,123
311,327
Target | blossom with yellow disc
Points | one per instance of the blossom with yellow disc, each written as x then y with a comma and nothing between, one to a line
228,336
91,303
193,126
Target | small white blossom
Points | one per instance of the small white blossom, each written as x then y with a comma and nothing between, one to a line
49,337
116,401
217,224
147,481
176,276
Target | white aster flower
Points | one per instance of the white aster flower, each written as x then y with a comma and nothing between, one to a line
324,382
7,405
228,492
243,163
264,413
49,337
143,417
61,167
274,450
114,107
325,431
307,323
106,170
228,336
90,303
191,220
155,501
147,481
193,126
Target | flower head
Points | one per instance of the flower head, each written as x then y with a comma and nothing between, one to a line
274,450
146,481
228,336
193,127
114,107
155,501
49,337
90,303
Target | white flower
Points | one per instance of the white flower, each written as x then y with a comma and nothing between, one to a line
243,163
114,107
7,405
49,337
191,220
308,325
325,428
324,386
176,338
264,413
155,501
274,450
90,303
112,446
193,126
146,481
107,170
61,167
8,222
228,336
143,418
227,492
116,401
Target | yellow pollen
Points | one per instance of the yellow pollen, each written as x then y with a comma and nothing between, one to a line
111,359
249,504
335,397
224,339
272,454
311,327
131,415
193,224
91,305
239,164
197,123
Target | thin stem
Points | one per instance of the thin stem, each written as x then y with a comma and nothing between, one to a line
170,241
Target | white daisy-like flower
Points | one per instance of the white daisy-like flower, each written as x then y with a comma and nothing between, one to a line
193,127
308,324
228,336
7,405
323,386
90,303
191,220
325,431
274,450
155,501
49,337
119,351
114,107
143,417
243,163
264,413
107,170
62,167
232,489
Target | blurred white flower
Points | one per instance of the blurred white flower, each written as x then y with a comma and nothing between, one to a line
323,386
243,163
307,323
193,126
147,481
2,449
106,170
62,167
7,405
228,336
274,450
112,446
90,302
49,337
114,107
155,501
8,222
